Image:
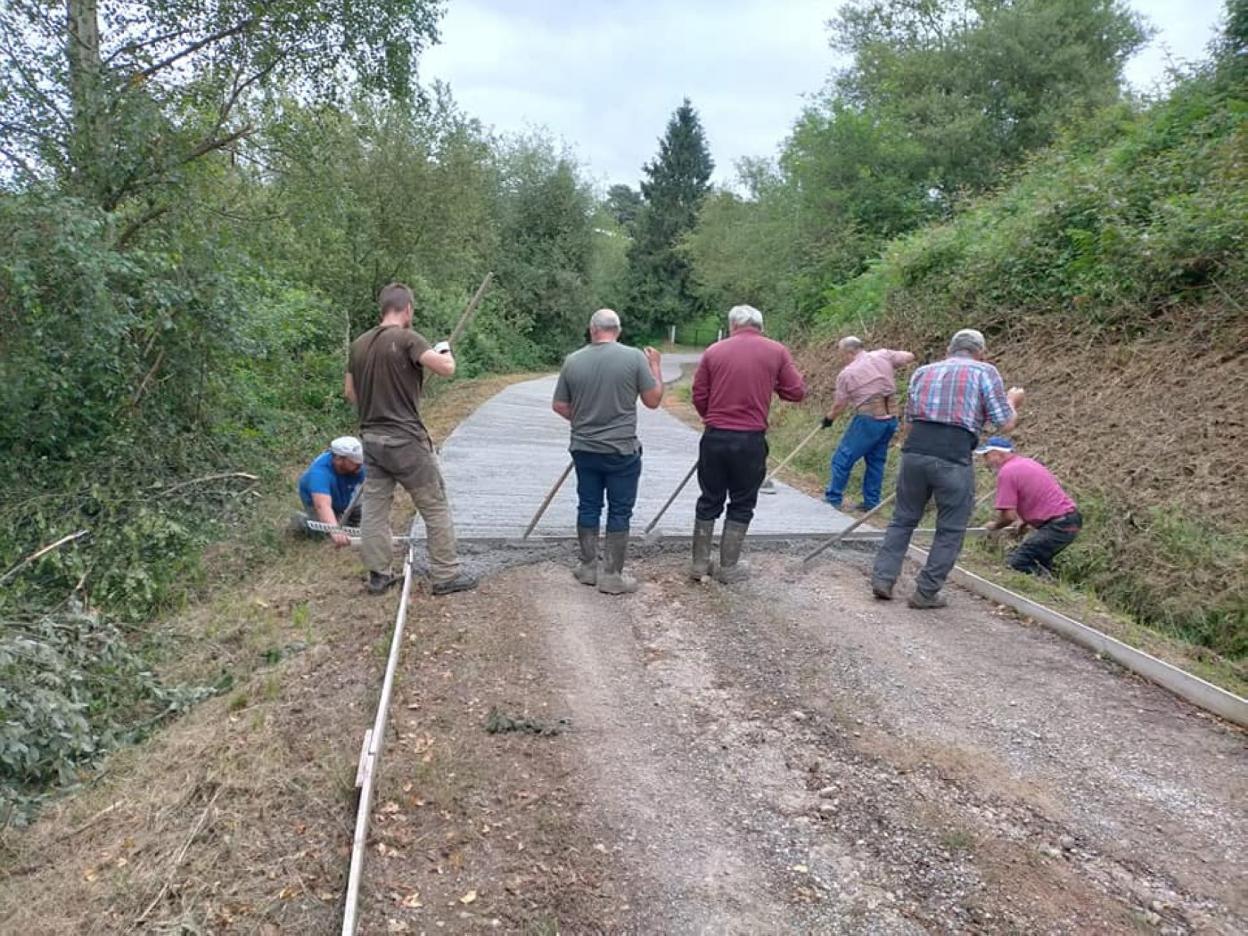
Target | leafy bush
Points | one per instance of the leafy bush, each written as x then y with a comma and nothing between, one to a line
71,689
1102,233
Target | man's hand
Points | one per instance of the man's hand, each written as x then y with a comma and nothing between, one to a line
340,539
653,358
1015,395
442,347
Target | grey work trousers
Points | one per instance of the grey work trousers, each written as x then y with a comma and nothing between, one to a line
412,463
921,478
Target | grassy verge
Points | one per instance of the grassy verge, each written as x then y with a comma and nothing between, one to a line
1069,594
79,683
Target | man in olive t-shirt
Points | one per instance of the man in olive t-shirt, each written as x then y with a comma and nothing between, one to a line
597,393
385,377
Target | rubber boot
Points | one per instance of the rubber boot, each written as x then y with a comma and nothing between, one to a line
612,579
587,571
730,568
703,531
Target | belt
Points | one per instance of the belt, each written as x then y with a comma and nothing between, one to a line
1074,518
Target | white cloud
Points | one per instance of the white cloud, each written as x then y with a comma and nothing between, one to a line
606,76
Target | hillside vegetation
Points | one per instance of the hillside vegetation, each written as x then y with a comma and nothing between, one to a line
1101,242
1112,278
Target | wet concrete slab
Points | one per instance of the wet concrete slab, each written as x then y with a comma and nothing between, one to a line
501,461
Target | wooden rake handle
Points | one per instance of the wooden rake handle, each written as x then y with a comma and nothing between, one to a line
675,494
550,495
471,308
800,445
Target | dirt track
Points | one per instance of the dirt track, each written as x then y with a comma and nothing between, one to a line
791,756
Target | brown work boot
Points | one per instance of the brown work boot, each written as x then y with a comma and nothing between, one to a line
882,589
461,582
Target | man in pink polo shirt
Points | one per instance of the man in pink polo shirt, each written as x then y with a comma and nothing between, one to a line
1029,495
867,385
732,390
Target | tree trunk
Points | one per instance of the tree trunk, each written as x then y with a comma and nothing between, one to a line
89,144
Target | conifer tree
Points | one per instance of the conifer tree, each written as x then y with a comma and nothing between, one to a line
677,180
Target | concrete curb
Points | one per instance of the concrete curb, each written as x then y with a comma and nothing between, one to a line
1204,694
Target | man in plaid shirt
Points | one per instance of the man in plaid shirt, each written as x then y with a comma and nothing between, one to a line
948,404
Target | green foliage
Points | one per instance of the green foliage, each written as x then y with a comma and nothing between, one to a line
661,290
974,85
624,203
940,100
152,87
1101,231
71,689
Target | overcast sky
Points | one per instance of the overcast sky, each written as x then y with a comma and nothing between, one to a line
604,76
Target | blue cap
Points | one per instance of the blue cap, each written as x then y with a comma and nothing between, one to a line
995,444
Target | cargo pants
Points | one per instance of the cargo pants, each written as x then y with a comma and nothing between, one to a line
410,462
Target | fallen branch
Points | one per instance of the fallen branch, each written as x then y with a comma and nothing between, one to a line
40,552
213,477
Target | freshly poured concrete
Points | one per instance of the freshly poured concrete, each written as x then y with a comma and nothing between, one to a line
500,462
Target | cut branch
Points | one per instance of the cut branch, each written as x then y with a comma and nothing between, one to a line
41,552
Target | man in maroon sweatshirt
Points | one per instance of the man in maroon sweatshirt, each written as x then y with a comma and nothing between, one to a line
732,391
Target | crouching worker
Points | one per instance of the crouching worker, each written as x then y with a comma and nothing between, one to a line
732,391
330,488
597,393
1029,497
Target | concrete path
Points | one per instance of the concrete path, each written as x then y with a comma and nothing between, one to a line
500,462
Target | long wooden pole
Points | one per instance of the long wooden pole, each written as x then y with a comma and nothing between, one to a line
471,308
676,493
550,495
800,445
833,540
836,538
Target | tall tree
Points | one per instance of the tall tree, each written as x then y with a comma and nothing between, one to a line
116,98
624,203
661,289
979,83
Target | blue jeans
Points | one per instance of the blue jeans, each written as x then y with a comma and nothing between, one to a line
868,438
617,476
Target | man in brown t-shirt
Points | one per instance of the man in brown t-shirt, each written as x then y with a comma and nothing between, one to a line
385,377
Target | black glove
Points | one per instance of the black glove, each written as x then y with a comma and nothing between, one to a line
827,422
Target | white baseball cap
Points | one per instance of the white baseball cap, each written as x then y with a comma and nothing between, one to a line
348,447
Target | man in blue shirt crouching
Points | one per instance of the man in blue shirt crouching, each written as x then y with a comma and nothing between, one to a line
330,486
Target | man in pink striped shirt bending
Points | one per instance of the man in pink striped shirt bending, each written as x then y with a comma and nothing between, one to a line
867,385
732,391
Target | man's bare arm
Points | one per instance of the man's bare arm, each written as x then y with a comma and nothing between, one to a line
654,396
441,363
324,506
1003,519
348,387
564,409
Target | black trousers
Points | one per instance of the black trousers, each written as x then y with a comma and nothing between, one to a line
731,465
1036,552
